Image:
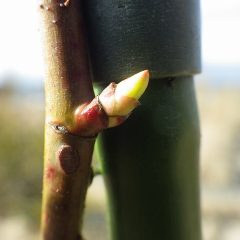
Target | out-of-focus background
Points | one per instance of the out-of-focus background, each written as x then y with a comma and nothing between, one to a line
22,116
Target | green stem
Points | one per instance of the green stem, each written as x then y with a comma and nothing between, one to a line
150,165
67,84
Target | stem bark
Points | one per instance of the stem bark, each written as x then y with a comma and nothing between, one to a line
67,158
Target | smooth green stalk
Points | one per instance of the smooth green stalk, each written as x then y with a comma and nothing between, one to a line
150,163
150,166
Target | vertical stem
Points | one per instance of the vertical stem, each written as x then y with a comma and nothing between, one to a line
150,163
67,84
150,166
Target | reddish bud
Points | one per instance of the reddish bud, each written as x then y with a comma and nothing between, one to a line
90,119
111,108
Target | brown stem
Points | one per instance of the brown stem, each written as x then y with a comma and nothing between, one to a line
67,84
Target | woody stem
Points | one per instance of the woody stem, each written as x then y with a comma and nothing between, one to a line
67,158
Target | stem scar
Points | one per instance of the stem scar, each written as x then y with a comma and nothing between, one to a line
68,158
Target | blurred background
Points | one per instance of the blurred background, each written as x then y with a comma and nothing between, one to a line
22,116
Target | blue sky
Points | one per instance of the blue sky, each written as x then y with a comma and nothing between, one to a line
20,45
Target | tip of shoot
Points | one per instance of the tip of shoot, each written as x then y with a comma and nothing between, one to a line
134,86
120,99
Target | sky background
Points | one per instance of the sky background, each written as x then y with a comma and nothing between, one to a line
20,42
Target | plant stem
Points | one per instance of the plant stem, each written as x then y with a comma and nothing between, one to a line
150,163
67,84
150,166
